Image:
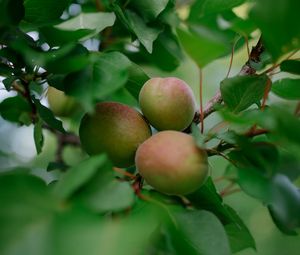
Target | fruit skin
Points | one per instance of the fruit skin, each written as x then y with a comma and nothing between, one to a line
61,104
115,129
171,162
168,103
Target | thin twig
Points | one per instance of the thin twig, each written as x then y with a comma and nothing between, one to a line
217,150
247,46
297,110
231,57
269,70
227,188
201,101
125,173
231,191
256,132
266,93
27,95
99,6
63,139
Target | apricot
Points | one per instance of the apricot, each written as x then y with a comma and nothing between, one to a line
114,129
168,103
61,104
171,163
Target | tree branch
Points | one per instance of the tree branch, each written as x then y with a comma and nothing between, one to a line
252,132
247,69
27,95
62,141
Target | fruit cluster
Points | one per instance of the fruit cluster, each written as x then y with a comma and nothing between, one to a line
169,161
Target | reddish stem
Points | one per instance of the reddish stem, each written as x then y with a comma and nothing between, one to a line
125,173
137,185
231,191
266,93
231,57
201,101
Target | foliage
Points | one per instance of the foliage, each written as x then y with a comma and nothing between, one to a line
95,51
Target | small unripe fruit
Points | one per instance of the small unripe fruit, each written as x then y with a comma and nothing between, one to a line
61,104
168,103
114,129
171,162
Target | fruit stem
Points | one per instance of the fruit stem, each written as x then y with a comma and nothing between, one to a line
137,185
231,191
125,173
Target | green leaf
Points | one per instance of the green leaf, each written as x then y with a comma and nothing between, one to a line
22,219
9,55
81,27
243,27
207,198
291,66
281,196
285,124
239,235
77,176
169,15
202,44
278,120
124,97
41,224
203,231
136,80
48,117
104,193
145,33
56,81
93,21
198,137
44,12
287,88
202,8
273,21
263,156
56,37
38,136
167,53
58,59
16,109
67,59
240,92
5,70
11,12
78,231
105,74
289,165
56,166
96,186
149,9
8,82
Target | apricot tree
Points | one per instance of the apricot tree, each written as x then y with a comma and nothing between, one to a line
132,171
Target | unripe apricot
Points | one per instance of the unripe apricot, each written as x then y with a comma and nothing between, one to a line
61,104
171,162
114,129
168,103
